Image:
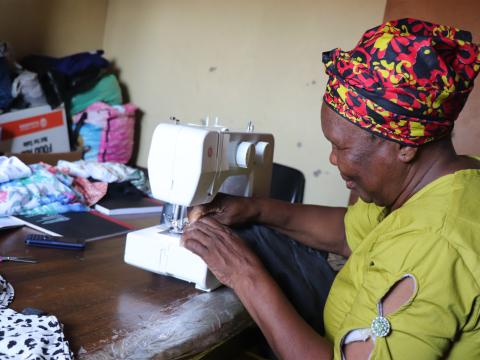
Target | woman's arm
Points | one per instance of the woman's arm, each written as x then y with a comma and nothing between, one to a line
320,227
287,333
234,264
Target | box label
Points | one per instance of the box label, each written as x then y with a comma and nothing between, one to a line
34,131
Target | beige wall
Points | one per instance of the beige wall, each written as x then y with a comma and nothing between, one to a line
256,60
52,27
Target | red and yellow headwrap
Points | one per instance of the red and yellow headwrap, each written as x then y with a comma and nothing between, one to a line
406,80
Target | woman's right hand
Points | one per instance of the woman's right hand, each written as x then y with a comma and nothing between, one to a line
227,210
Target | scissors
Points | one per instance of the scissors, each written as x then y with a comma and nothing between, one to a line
18,259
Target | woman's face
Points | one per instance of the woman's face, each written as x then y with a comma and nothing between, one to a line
368,164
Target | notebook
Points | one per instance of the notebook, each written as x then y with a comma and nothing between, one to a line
88,226
128,205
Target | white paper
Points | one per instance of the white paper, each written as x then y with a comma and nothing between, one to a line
8,222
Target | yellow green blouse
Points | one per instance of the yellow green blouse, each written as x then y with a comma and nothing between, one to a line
434,237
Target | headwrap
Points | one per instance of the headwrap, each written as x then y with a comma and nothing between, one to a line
406,80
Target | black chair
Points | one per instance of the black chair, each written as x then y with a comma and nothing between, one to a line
288,184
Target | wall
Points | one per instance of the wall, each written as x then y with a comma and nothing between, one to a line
52,27
463,14
256,60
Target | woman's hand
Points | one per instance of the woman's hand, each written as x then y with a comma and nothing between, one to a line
236,266
226,255
226,209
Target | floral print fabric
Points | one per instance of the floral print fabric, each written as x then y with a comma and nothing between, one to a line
46,189
106,171
12,168
44,192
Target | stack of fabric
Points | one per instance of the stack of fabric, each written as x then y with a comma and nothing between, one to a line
86,84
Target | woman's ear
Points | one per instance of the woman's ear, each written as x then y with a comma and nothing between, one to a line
407,153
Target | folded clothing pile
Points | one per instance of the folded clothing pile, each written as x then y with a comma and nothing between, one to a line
85,83
64,78
87,86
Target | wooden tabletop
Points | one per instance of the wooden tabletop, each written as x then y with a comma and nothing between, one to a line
113,310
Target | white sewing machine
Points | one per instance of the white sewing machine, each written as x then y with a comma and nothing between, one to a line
188,165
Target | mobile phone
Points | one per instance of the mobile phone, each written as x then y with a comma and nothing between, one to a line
54,242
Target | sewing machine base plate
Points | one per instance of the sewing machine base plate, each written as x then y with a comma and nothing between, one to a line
156,249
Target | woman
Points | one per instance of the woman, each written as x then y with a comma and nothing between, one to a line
410,288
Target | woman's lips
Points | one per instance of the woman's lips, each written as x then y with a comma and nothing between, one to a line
350,184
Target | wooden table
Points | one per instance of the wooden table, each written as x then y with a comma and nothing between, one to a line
112,310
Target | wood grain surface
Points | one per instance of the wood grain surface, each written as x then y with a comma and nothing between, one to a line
100,299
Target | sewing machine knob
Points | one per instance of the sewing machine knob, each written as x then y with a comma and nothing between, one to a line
245,154
263,152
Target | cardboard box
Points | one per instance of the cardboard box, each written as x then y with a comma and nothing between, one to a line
49,158
34,130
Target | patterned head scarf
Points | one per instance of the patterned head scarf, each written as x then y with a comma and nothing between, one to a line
406,80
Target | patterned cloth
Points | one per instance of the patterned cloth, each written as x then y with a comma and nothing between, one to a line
44,192
12,168
106,171
29,336
406,80
44,189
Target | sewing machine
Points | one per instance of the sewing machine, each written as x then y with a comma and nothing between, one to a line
188,165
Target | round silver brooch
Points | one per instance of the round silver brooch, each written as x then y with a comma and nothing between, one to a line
380,326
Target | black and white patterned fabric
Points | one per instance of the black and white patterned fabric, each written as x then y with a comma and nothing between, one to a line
38,337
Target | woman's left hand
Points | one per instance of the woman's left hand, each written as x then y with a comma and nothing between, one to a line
225,253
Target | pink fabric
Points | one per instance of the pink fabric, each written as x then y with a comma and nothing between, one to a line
116,144
118,123
91,191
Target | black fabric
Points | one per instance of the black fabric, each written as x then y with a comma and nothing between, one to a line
123,189
70,65
301,272
54,86
5,85
77,128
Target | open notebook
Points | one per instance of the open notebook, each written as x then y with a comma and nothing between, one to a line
87,226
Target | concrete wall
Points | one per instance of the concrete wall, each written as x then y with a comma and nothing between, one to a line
256,60
52,27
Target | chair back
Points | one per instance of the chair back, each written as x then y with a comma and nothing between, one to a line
288,184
